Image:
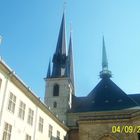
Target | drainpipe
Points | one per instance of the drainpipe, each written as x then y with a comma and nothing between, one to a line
35,126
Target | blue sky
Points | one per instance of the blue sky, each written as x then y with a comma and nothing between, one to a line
30,31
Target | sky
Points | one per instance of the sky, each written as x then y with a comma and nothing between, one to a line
30,31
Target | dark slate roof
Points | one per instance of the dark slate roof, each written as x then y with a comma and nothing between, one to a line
106,96
135,97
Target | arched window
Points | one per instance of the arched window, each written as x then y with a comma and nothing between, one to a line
55,104
56,90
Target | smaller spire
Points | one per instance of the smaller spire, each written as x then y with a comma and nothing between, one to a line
105,72
49,70
104,57
69,67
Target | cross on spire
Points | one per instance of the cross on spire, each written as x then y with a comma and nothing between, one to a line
64,6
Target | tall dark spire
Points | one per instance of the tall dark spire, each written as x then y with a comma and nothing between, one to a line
69,69
105,72
61,43
49,70
59,58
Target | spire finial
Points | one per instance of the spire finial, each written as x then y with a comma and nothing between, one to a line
64,6
105,72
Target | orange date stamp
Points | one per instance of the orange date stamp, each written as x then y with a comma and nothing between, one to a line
125,129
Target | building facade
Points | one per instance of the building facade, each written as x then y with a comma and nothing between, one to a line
22,114
106,113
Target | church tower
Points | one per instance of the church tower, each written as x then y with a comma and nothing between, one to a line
60,79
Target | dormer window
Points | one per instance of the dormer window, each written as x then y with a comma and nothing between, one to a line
56,90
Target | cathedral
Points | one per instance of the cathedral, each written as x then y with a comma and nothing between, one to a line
106,113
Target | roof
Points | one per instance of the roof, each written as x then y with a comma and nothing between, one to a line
106,96
135,97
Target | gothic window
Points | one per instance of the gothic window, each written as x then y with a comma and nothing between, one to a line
55,104
56,90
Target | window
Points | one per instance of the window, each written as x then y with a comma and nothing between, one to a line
21,113
30,116
55,104
40,126
7,132
50,131
28,137
58,135
12,102
56,90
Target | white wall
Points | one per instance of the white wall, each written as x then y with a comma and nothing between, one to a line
20,127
